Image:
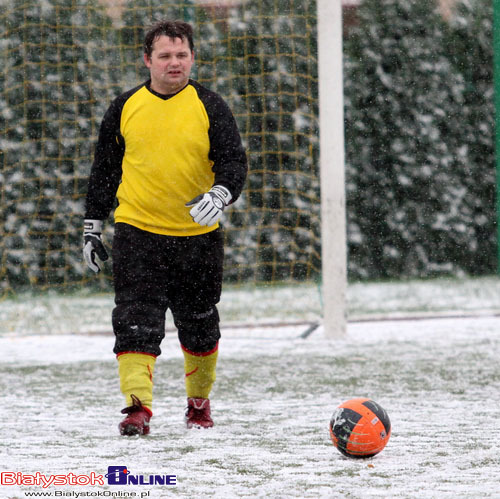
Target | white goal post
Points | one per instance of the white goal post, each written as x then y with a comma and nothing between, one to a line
331,126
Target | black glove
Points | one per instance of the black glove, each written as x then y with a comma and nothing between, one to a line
207,208
92,244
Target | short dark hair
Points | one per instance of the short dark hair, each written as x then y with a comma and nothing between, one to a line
172,29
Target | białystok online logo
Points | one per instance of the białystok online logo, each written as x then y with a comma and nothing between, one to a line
116,475
120,475
41,480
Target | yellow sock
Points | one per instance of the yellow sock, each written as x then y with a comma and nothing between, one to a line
136,377
199,369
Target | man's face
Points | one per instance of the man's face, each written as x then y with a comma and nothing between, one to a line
170,64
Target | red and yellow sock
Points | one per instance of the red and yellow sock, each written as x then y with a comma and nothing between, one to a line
136,377
199,369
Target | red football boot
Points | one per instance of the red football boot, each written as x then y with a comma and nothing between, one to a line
137,420
198,413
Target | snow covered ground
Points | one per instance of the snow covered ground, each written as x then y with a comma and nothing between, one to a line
437,377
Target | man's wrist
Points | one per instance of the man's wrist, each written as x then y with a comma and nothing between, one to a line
223,193
91,225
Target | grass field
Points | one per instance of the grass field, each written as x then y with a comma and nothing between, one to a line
438,378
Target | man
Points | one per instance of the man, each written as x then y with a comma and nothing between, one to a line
169,150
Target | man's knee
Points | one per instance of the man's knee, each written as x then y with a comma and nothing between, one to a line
138,327
198,332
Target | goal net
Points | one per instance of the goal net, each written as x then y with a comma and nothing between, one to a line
63,61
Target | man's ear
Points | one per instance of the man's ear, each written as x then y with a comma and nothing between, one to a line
147,60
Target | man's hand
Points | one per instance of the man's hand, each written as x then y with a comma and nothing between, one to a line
207,208
92,244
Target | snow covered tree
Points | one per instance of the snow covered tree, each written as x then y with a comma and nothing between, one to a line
272,87
47,107
409,165
419,133
469,45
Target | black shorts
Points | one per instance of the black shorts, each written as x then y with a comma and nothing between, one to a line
153,273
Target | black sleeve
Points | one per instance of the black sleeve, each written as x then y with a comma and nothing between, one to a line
106,171
226,149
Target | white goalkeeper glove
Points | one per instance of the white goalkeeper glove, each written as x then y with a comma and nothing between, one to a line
207,208
92,244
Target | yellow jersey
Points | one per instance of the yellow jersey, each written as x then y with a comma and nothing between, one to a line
155,153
